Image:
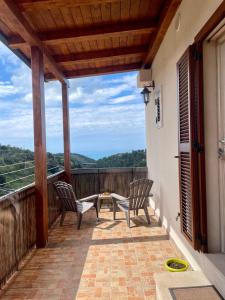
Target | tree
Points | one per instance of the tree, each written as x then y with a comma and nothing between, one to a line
2,179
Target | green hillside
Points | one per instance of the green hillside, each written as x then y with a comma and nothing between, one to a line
129,159
17,165
77,160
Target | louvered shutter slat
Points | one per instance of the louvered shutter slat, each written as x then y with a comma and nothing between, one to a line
188,156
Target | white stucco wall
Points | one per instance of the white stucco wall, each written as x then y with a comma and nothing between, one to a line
162,144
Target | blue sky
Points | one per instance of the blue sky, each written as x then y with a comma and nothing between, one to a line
106,112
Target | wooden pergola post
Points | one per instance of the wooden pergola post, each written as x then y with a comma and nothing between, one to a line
39,147
66,131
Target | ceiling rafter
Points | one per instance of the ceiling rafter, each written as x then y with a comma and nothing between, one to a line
117,42
80,57
90,33
98,71
45,4
10,14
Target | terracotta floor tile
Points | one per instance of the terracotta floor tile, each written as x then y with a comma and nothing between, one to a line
105,260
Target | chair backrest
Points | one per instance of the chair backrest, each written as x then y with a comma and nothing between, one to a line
139,193
66,195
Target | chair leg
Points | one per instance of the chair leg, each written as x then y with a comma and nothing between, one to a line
127,213
136,212
100,204
147,215
79,215
96,208
62,218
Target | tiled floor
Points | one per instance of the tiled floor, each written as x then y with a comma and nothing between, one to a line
107,260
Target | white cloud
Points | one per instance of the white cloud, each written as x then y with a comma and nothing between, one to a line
8,57
101,107
102,89
106,119
7,89
123,99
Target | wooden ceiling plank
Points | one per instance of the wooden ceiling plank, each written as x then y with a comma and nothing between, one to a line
166,16
92,32
99,55
67,16
96,14
93,45
116,42
32,20
125,9
78,46
134,8
71,48
100,71
116,12
64,49
123,41
101,44
57,17
77,16
144,7
86,45
86,13
49,21
26,5
106,12
11,15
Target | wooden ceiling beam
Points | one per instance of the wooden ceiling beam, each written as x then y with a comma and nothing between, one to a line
11,15
98,71
99,55
26,5
90,33
166,16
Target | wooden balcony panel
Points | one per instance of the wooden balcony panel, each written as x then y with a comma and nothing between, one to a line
18,225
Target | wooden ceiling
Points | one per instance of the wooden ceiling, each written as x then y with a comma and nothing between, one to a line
86,37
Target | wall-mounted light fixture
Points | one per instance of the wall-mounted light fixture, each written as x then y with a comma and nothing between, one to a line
146,92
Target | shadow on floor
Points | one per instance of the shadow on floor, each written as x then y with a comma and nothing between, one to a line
105,260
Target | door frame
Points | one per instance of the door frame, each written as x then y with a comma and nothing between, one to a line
221,133
217,17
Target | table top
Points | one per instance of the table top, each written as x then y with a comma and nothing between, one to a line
105,196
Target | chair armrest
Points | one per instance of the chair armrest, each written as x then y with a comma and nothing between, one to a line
89,198
118,197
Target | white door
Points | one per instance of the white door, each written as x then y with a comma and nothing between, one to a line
221,132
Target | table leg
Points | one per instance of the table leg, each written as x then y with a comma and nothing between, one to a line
114,209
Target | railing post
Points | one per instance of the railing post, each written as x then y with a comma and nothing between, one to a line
66,131
39,147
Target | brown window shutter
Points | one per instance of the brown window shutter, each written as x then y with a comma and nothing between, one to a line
191,148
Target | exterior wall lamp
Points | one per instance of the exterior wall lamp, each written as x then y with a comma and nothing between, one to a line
146,92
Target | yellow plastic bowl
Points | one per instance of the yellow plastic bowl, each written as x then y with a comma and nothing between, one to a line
176,260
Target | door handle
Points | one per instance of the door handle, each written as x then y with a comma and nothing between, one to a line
222,141
177,156
221,153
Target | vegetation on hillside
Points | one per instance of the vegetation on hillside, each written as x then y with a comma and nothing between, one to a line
17,165
129,159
